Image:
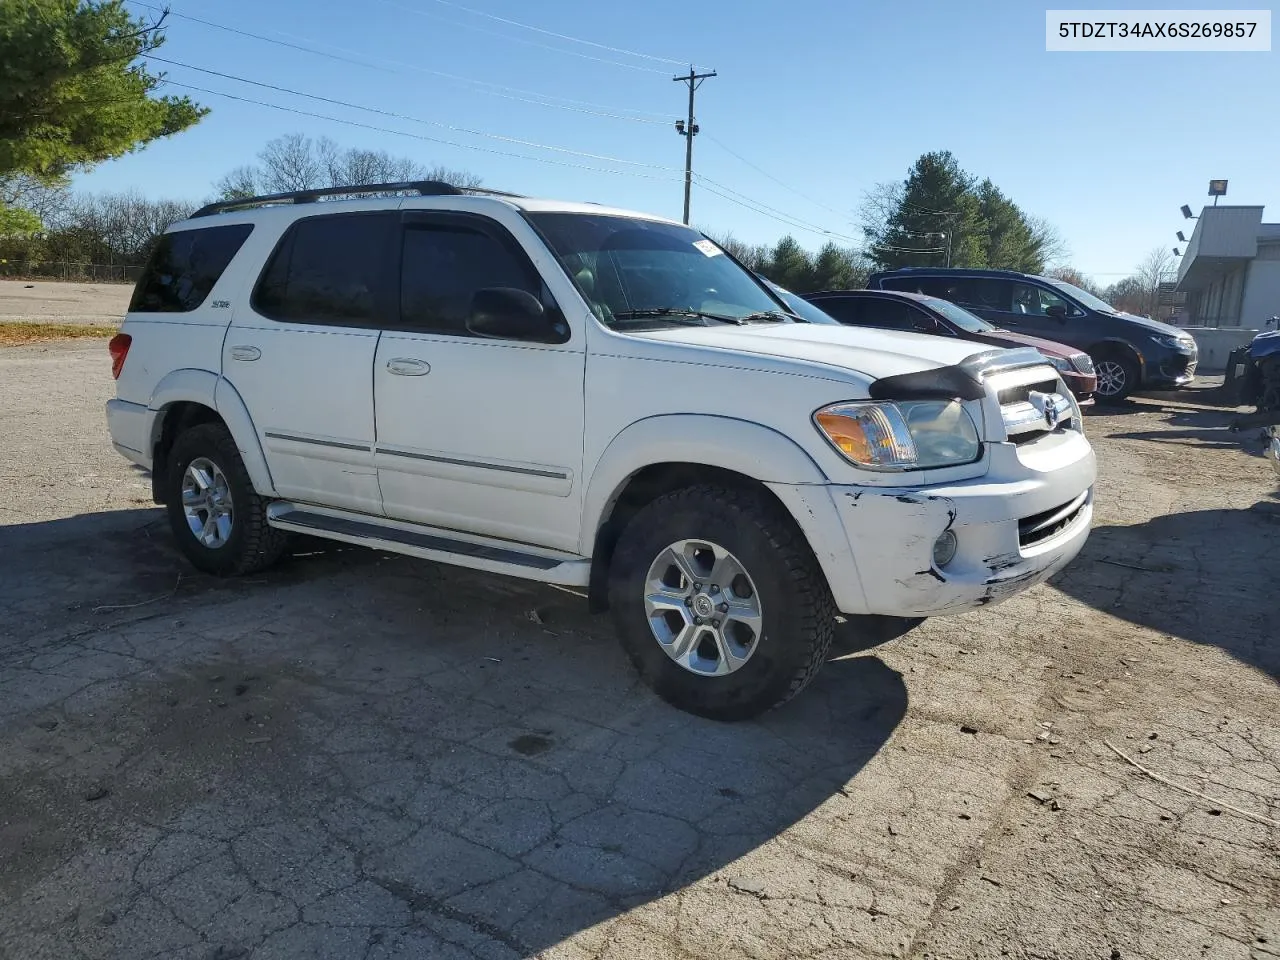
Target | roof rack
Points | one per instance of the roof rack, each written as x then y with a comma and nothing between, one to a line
424,188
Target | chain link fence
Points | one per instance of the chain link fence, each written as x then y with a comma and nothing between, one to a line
82,272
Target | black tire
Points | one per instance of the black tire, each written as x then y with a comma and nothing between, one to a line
251,545
798,613
1128,370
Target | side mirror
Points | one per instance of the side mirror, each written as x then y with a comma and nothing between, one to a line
1057,311
505,313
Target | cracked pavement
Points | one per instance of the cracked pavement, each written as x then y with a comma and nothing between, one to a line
358,755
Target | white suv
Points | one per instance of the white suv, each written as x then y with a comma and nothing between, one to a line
591,397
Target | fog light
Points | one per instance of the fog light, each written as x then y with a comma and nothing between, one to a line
944,549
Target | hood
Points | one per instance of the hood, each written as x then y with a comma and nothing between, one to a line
874,353
1151,326
1008,338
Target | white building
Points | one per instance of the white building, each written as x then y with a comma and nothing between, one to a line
1230,270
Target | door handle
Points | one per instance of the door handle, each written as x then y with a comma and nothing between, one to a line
244,352
408,367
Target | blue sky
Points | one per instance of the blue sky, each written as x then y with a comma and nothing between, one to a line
829,97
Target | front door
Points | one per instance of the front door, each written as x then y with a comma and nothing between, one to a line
300,353
474,433
1027,310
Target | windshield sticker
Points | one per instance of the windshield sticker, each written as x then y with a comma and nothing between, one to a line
708,248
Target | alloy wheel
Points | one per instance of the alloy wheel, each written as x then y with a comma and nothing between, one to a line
206,501
703,607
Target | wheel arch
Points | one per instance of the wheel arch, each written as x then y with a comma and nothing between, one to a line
186,398
660,454
1116,347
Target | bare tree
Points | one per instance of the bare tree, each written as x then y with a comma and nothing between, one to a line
1052,246
1071,275
42,197
1155,269
297,162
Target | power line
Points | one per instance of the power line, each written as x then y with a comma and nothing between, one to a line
416,136
532,43
560,36
781,183
756,206
411,119
483,86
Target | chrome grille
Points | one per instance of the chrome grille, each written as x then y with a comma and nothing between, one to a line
1041,412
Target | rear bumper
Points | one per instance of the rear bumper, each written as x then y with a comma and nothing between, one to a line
884,563
130,427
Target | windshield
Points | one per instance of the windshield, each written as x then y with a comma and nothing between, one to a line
801,307
633,270
959,316
1081,296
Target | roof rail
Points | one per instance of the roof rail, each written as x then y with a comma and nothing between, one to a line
424,188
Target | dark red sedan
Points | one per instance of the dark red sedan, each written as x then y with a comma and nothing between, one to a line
892,310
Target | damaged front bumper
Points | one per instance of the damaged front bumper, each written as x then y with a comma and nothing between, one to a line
1022,522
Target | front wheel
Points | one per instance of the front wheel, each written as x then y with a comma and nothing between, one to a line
719,602
1117,377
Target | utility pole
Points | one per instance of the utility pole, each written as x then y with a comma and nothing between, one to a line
689,130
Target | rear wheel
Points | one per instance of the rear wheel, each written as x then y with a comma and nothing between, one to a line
1117,376
218,519
719,602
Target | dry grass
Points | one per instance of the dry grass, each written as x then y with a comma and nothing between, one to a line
17,334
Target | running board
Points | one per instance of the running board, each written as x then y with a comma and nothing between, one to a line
432,543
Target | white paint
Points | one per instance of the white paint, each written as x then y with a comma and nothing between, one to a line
529,445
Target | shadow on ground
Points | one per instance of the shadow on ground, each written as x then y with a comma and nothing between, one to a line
1207,576
360,755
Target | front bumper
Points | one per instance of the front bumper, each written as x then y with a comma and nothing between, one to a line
886,564
1273,448
1170,369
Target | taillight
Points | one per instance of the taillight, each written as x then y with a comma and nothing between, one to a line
119,347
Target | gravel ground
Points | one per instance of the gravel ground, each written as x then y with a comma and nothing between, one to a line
49,301
359,755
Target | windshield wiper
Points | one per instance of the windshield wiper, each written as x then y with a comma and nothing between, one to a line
771,316
677,314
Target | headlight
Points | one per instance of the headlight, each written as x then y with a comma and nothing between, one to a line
1185,344
904,435
1061,364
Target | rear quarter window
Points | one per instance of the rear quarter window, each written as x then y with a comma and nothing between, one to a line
184,267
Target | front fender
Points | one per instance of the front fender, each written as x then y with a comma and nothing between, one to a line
747,448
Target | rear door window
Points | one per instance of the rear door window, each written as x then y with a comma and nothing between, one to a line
887,314
845,309
184,267
332,269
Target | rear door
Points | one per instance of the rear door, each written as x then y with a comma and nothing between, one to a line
476,434
300,353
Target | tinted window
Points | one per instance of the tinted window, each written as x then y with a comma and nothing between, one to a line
329,269
844,309
442,267
981,293
889,314
185,266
